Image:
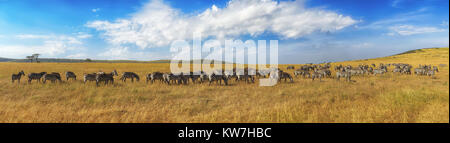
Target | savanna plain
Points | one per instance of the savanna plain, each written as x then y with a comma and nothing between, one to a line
388,98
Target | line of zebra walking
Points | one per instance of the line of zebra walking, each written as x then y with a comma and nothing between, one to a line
247,75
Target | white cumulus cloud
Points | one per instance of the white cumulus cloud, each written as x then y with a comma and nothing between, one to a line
157,24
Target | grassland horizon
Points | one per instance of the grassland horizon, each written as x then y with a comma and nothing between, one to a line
388,98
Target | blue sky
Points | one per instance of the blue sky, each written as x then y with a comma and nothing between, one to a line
307,30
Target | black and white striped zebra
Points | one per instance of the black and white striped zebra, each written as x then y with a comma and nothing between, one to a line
89,77
35,76
196,76
70,75
175,78
343,74
105,77
286,76
155,76
17,76
130,75
217,78
315,75
53,77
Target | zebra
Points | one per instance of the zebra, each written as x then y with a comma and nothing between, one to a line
105,77
285,76
70,74
324,72
230,74
53,77
303,73
181,78
35,76
356,71
217,78
344,74
155,76
175,78
431,72
397,70
168,78
406,70
298,72
290,68
89,77
378,71
196,76
245,75
57,74
264,73
203,77
315,75
131,75
17,76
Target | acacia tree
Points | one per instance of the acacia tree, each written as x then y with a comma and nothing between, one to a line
35,57
30,58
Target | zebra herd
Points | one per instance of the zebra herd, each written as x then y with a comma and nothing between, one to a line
320,71
247,75
55,77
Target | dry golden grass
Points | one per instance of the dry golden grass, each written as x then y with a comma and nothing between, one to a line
383,99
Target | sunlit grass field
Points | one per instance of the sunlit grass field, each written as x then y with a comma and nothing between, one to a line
389,98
